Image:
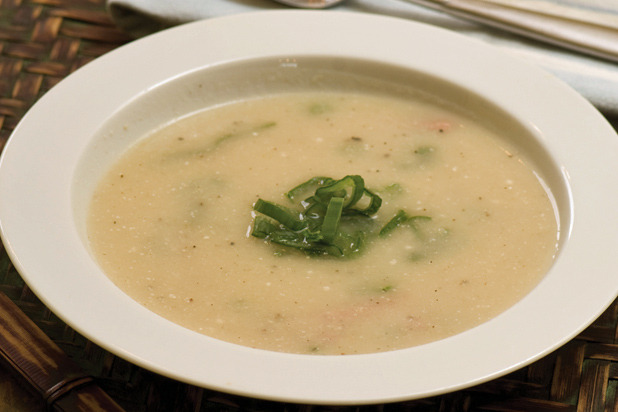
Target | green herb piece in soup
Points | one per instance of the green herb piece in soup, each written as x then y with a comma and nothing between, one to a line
320,108
424,150
236,132
400,219
432,239
392,189
241,133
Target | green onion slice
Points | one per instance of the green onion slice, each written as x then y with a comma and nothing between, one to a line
314,183
283,215
332,218
350,188
400,218
375,202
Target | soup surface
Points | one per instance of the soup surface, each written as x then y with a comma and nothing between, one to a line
170,223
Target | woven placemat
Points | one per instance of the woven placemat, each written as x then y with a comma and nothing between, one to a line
41,42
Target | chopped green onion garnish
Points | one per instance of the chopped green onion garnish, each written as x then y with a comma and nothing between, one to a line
319,228
334,218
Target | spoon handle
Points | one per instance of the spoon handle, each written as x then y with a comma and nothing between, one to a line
43,365
585,37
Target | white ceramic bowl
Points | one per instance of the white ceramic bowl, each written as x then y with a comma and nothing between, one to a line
72,134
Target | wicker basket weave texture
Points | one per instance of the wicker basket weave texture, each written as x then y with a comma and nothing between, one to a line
41,42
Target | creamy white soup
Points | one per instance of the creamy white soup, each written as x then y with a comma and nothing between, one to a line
171,223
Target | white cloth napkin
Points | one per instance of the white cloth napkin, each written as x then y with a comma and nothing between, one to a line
595,79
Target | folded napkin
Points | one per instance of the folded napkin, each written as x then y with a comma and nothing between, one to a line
595,79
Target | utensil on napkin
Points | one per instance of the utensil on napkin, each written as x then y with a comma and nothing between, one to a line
595,79
587,37
45,367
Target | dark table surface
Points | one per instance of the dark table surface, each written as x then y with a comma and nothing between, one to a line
41,42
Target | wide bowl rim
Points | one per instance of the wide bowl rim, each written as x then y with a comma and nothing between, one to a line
43,243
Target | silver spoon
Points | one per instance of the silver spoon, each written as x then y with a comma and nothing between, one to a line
582,36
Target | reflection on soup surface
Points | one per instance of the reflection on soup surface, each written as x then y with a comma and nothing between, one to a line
171,223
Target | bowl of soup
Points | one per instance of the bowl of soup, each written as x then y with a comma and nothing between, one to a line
332,215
